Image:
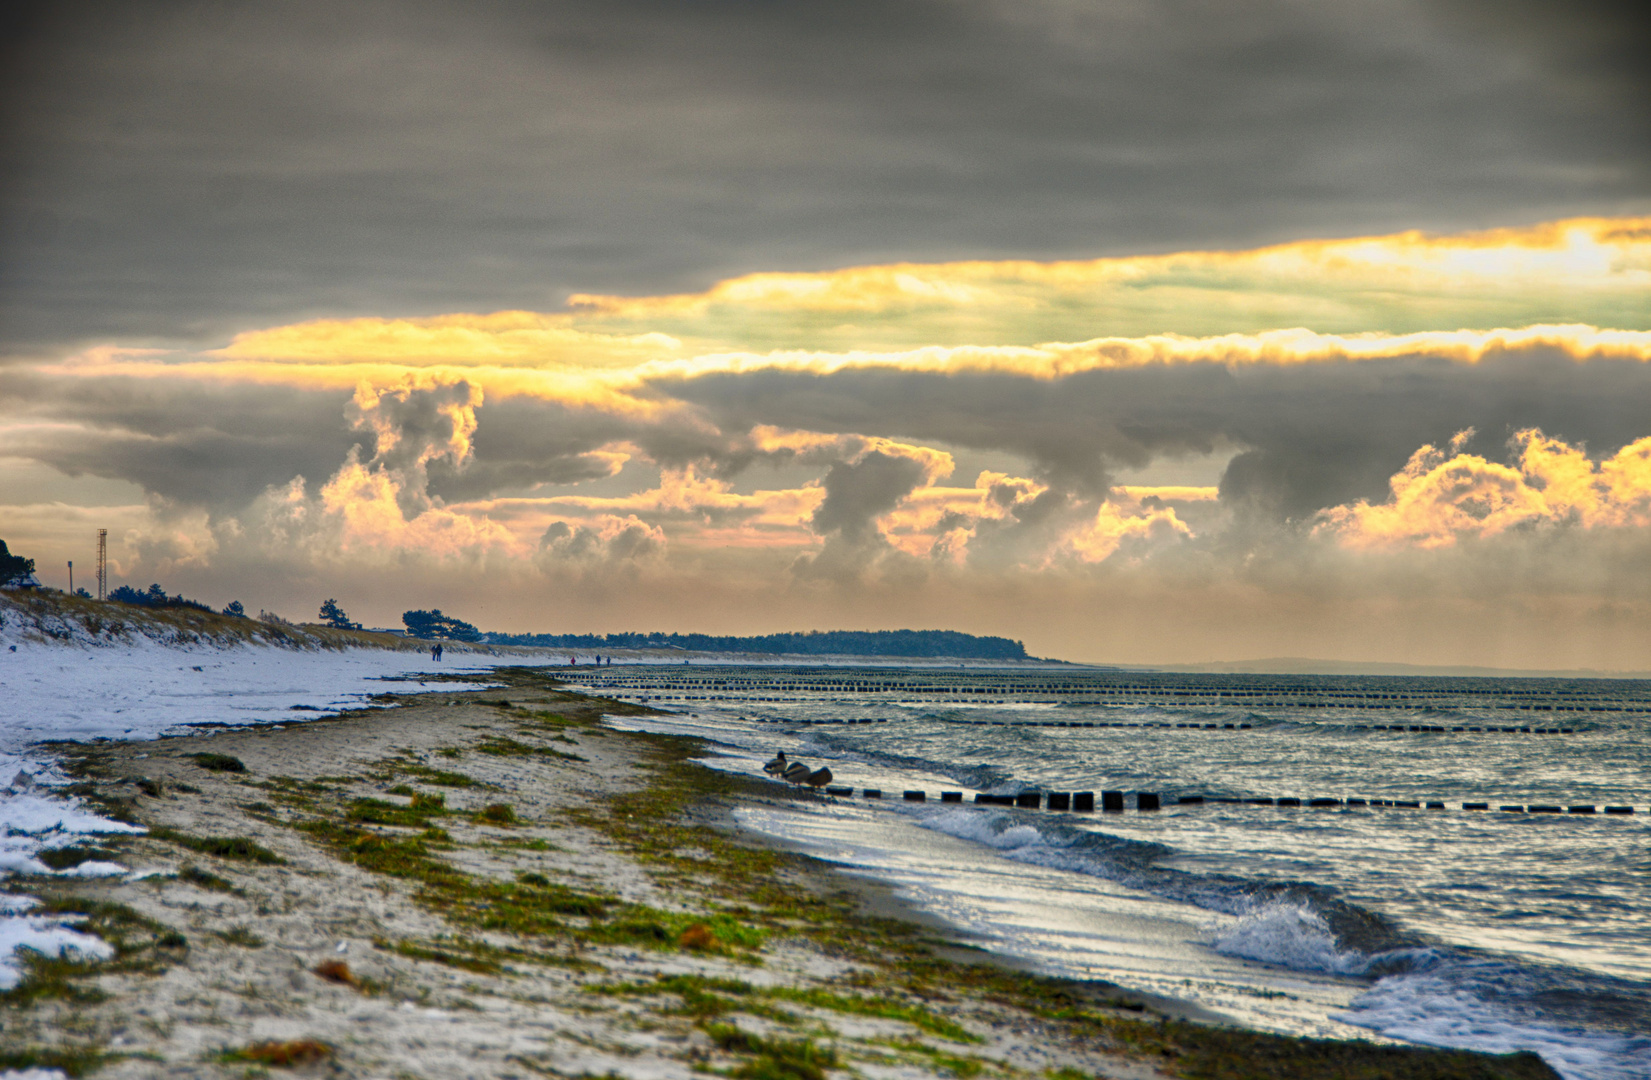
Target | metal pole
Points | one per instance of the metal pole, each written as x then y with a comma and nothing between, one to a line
71,577
102,563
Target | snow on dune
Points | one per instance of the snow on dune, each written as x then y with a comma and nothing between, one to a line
61,679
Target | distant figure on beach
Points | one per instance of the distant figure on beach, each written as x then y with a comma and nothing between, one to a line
573,661
435,652
441,650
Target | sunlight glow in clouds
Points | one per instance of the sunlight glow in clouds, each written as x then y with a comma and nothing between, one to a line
842,437
1438,500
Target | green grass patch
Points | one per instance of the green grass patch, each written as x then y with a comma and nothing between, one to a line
773,1059
964,1067
223,847
707,997
67,857
78,1061
203,879
881,1007
481,957
438,777
500,746
465,957
417,816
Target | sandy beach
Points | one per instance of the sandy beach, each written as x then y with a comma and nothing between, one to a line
488,883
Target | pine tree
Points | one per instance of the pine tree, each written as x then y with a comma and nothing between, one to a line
334,616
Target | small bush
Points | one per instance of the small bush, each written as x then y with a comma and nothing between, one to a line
219,762
337,971
284,1054
498,814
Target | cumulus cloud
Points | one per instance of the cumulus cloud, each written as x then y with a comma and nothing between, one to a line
1439,499
605,538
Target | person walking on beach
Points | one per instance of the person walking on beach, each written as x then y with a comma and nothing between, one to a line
439,651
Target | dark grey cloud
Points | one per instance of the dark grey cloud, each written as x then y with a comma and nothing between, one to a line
195,444
1305,436
181,170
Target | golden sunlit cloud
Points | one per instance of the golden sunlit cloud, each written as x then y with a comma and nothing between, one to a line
1439,499
1593,270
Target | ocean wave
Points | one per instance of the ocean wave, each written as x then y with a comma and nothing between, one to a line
1585,1026
1480,1004
1288,934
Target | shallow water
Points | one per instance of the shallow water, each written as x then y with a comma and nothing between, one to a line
1486,929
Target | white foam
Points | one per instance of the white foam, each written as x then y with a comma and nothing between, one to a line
1289,935
1428,1007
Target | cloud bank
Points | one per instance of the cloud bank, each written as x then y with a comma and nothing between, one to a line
1154,496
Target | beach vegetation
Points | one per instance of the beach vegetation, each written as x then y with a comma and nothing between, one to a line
140,944
961,1066
439,777
480,957
280,1054
223,847
154,597
499,746
72,1061
66,858
497,814
203,879
709,997
241,937
416,816
220,762
770,1058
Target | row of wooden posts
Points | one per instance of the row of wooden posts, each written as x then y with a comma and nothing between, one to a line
1083,802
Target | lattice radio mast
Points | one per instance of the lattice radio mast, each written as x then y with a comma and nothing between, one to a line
102,562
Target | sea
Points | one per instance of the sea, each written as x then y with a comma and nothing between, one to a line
1458,862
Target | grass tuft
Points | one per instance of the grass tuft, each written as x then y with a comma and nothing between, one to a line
202,879
773,1059
223,847
281,1054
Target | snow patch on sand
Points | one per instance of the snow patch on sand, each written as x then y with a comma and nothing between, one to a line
79,688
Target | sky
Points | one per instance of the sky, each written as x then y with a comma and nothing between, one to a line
1142,332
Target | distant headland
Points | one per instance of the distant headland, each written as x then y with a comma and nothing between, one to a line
905,643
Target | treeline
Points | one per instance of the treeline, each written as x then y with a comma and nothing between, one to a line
154,597
926,643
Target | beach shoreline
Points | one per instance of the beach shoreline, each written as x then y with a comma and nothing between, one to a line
491,883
